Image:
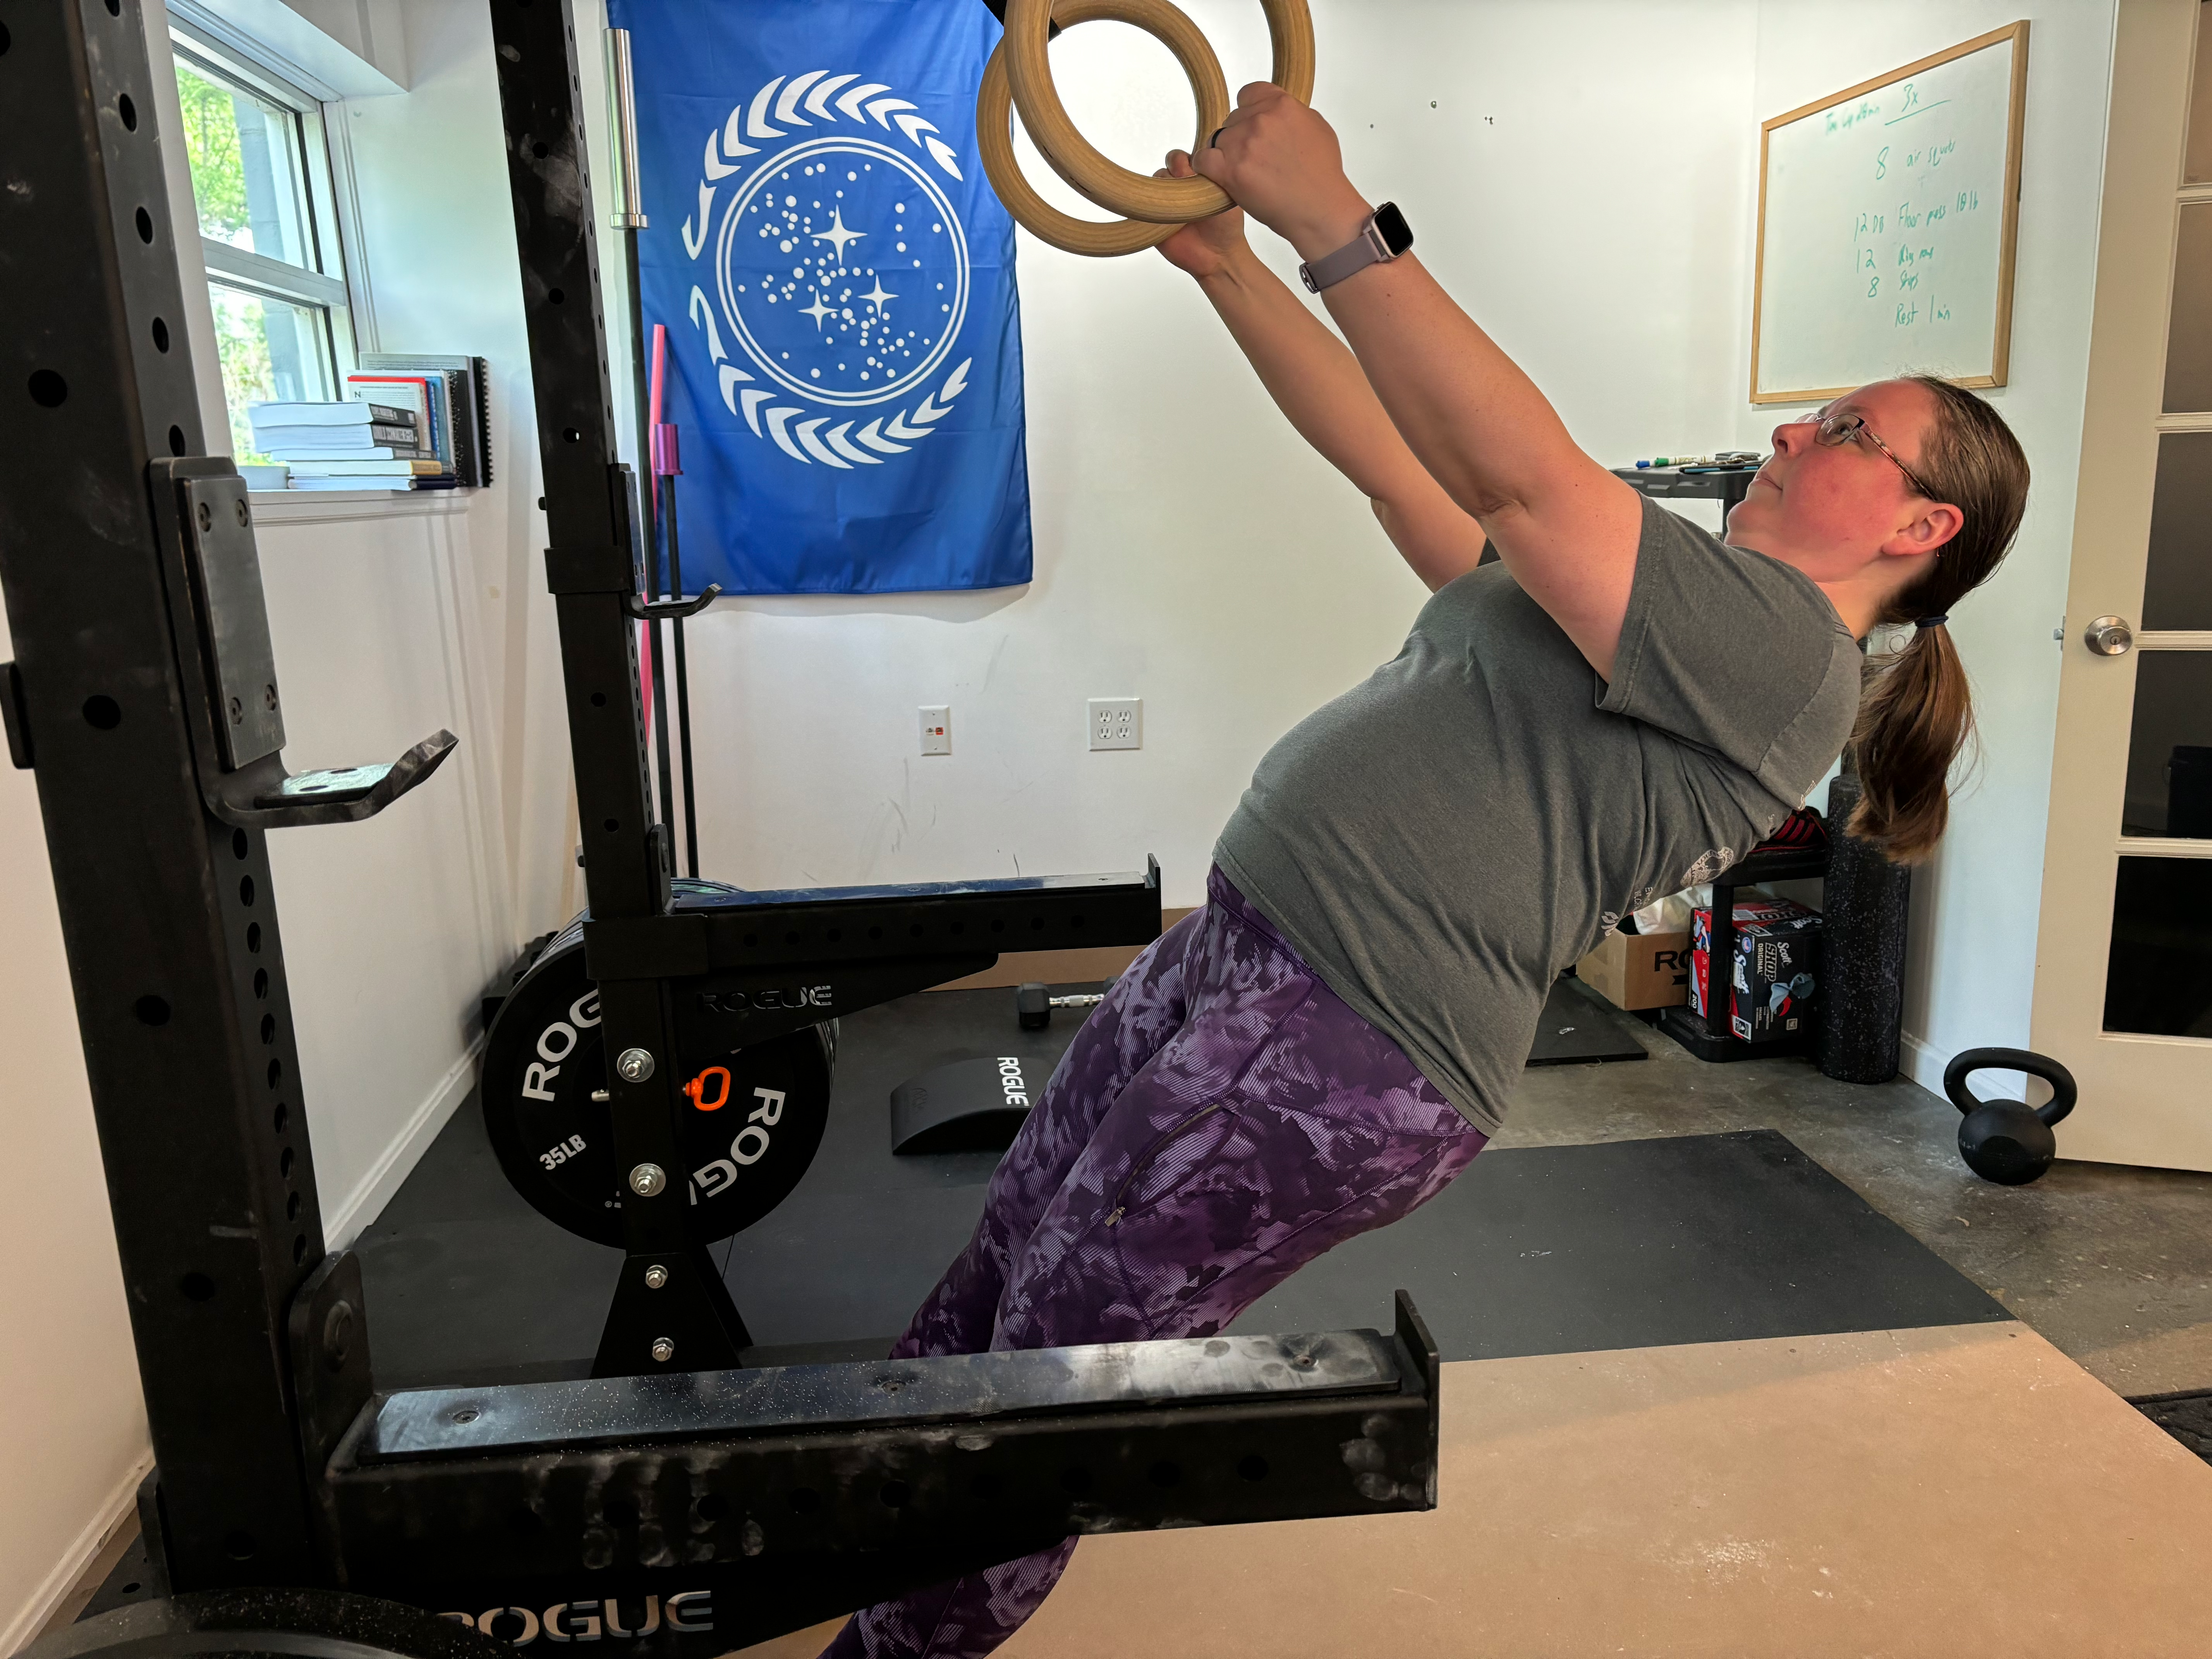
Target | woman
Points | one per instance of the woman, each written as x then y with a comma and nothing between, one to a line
1616,709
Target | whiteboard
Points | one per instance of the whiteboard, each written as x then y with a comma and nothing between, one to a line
1886,220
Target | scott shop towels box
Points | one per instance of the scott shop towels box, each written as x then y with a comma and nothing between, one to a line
1774,978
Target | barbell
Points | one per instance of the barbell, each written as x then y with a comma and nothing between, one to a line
1019,77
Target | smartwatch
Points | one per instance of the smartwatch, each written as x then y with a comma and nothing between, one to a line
1381,239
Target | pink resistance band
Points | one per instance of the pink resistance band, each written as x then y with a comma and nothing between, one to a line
666,464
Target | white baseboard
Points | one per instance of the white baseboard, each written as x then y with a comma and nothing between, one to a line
343,1222
1924,1064
119,1511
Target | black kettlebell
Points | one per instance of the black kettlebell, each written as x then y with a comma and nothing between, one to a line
2007,1142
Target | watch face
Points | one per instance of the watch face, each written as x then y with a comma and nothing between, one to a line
1397,235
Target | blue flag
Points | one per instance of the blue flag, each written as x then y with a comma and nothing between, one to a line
837,279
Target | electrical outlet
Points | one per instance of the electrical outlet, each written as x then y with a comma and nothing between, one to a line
1117,722
937,729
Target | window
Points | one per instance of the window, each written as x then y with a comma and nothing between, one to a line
261,181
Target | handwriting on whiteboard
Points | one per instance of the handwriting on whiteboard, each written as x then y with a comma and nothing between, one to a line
1881,239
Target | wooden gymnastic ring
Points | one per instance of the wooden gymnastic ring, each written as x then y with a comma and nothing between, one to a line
994,136
1162,201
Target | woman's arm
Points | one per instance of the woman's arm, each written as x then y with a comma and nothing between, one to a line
1567,528
1318,384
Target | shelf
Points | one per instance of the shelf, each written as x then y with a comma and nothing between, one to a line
1689,1030
1784,864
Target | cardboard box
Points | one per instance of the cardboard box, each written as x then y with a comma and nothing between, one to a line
1639,971
1773,979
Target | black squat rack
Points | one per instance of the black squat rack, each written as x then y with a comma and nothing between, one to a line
688,1506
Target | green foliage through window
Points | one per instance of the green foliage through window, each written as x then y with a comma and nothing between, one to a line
211,142
246,155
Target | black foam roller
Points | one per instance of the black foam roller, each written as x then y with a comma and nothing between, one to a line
1862,998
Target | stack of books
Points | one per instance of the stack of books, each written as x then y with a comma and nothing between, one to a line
446,396
346,445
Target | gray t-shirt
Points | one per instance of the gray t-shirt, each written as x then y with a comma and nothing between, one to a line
1440,842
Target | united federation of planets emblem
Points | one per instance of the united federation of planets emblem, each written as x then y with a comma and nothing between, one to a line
839,272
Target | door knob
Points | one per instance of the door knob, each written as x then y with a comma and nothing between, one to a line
2109,636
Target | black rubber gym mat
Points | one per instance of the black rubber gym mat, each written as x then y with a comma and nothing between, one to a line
1635,1245
2187,1416
1534,1250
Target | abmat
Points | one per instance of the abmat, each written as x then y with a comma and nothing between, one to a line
1550,1249
1578,1029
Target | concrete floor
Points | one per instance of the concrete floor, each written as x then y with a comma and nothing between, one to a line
2113,1265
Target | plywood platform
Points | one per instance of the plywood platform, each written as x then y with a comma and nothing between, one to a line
1951,1490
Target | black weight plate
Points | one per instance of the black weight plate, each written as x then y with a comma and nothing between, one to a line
546,1056
269,1624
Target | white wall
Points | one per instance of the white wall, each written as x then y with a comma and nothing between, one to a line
1577,173
393,926
1972,959
431,185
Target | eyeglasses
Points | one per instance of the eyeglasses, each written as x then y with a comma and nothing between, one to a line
1834,431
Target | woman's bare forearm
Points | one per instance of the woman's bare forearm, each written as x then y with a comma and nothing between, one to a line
1314,379
1567,528
1320,387
1477,422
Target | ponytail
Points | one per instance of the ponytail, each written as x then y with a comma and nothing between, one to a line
1916,708
1916,713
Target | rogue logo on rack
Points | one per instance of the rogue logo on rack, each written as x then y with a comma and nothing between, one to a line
767,1001
838,268
588,1620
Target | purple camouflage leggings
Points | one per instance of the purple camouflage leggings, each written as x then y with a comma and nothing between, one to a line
1221,1120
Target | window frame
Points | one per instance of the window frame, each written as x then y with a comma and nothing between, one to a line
335,289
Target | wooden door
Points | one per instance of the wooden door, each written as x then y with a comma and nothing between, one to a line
2123,973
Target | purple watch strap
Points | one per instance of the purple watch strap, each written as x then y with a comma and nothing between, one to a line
1362,251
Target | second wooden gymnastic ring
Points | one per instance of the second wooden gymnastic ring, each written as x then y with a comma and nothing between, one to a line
1162,201
994,133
